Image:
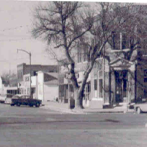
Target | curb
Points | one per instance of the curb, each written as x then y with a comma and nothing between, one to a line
106,112
72,111
57,110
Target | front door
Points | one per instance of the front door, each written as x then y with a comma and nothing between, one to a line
121,86
119,90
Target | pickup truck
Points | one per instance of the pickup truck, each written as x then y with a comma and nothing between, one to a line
19,100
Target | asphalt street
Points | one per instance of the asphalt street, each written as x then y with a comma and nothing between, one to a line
37,127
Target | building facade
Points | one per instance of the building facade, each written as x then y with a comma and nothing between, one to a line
47,86
24,72
112,81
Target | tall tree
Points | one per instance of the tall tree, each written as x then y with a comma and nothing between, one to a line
74,26
62,24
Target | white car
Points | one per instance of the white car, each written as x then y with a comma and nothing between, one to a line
8,100
141,106
2,98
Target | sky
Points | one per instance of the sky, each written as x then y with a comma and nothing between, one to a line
15,33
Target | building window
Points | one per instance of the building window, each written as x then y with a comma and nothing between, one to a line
89,87
100,87
28,90
34,73
99,64
145,92
124,41
145,75
51,70
85,56
115,40
79,56
95,84
119,41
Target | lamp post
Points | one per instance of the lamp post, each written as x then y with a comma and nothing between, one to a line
29,53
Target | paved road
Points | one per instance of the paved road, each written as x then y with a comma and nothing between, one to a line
37,127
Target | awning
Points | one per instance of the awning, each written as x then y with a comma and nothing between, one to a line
122,64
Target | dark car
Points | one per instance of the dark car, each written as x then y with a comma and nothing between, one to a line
19,100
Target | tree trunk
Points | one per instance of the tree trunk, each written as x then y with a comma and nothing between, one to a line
79,91
78,97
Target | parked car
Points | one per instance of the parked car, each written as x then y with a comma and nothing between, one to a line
2,98
141,105
19,100
8,98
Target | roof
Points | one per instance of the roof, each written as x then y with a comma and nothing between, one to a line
53,82
122,64
50,76
53,74
11,88
37,67
123,61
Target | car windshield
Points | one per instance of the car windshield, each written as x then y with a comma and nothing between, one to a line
24,96
15,96
21,96
142,100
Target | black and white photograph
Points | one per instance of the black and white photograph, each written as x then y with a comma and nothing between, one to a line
73,73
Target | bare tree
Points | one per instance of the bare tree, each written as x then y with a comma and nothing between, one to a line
70,27
62,24
107,20
6,78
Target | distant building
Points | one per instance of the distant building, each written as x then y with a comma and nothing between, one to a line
47,86
23,74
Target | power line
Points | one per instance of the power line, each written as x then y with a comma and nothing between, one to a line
7,61
9,29
10,40
20,58
14,35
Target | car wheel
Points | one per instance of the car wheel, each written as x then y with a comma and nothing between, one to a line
37,104
18,104
138,110
30,105
12,104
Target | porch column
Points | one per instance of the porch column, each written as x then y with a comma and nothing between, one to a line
110,97
113,86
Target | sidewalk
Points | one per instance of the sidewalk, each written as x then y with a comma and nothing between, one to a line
64,108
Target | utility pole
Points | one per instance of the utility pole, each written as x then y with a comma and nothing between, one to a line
29,53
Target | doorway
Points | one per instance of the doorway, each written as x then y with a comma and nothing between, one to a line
120,86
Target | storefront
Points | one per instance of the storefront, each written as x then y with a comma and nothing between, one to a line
112,83
122,81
